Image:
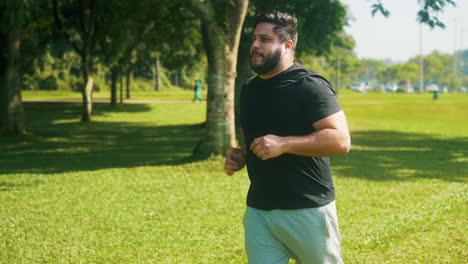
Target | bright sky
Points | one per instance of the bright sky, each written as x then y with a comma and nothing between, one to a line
397,36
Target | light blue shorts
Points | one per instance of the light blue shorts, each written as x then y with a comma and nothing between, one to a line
310,236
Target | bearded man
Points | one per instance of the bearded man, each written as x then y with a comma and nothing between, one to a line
292,122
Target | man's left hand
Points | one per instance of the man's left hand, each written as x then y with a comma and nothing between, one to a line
267,147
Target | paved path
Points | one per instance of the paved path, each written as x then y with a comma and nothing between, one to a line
127,101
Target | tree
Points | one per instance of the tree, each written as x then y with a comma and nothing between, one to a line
463,62
406,73
119,41
167,47
11,106
24,36
82,24
221,24
370,69
152,32
441,69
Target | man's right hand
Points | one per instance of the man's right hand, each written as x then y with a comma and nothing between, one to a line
235,161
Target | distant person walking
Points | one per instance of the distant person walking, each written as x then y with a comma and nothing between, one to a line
292,121
197,90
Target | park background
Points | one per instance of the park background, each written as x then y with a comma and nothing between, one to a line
131,179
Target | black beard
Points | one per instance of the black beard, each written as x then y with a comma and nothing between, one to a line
269,63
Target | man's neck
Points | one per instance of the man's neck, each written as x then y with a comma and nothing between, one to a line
281,67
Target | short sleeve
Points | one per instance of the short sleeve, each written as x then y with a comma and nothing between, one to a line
318,98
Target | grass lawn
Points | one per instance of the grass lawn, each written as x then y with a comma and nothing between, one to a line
125,189
166,94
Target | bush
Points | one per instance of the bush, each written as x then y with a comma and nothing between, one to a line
401,90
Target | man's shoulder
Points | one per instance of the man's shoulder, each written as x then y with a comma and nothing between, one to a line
315,80
306,72
301,73
246,86
313,83
250,80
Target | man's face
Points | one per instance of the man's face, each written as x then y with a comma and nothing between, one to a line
265,49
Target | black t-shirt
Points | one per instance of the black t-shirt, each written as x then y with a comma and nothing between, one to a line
287,105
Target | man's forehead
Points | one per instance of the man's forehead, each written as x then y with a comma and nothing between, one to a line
264,29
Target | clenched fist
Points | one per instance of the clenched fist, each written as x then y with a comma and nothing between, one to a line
267,147
235,161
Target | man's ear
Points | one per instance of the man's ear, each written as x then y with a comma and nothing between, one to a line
289,45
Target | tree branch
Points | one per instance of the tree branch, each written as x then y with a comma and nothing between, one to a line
59,25
427,15
236,19
203,11
81,17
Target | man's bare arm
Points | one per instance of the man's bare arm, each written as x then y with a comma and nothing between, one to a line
330,138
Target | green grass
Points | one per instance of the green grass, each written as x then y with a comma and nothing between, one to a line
125,189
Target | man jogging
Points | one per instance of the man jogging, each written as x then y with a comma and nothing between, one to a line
292,122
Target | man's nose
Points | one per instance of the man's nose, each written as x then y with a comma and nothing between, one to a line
255,44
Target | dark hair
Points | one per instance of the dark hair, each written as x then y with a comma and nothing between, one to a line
285,25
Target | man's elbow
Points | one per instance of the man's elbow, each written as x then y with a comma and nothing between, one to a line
345,146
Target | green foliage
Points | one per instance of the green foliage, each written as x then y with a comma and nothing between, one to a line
349,66
320,23
55,72
379,8
463,62
370,69
442,69
318,64
125,189
37,33
431,9
439,69
183,75
446,70
166,29
407,73
52,73
428,14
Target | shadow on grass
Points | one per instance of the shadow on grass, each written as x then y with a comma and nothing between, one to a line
101,146
73,146
73,110
390,155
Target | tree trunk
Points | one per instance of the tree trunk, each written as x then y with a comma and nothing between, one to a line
3,87
216,139
221,44
157,74
114,76
338,71
12,106
86,93
121,88
244,72
176,78
128,79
